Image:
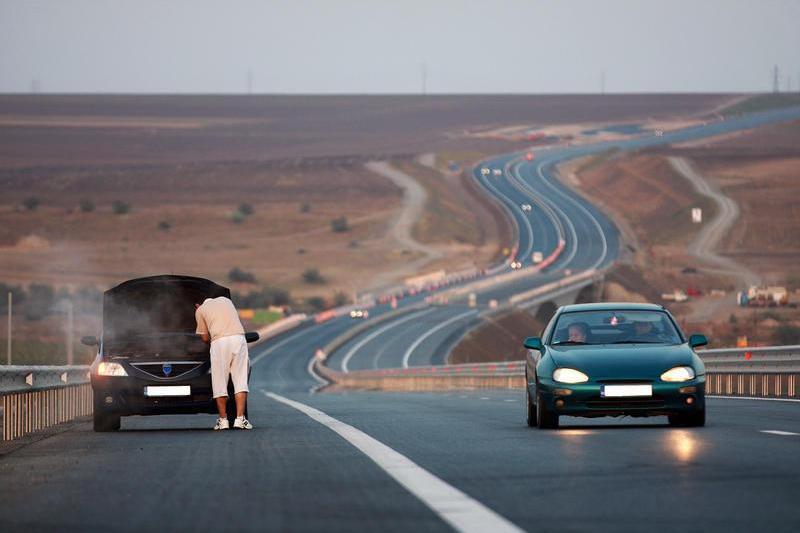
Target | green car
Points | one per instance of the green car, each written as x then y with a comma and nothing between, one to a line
614,359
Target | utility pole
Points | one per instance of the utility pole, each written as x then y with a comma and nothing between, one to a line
70,354
8,349
249,81
424,68
775,80
603,82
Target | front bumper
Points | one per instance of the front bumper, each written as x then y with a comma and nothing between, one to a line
124,395
583,399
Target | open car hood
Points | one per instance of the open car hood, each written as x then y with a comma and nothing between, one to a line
153,305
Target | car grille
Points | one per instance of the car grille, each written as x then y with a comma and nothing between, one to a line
626,403
178,368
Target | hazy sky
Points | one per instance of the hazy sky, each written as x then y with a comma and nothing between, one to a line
354,46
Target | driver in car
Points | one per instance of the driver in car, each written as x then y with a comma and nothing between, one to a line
578,331
644,331
218,323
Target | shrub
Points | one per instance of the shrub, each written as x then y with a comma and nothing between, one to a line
121,208
313,276
86,205
340,225
316,303
246,209
237,275
31,203
264,298
305,208
787,334
164,225
340,299
237,217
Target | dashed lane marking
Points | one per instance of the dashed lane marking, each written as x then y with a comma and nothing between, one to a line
779,432
462,512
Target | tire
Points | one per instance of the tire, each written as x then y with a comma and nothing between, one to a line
545,418
696,419
531,409
104,420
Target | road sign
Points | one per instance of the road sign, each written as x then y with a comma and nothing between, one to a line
697,215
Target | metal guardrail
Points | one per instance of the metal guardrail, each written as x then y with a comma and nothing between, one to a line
768,372
38,397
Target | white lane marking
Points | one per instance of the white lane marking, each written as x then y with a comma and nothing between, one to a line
507,400
779,432
377,332
462,512
310,370
753,398
416,343
485,398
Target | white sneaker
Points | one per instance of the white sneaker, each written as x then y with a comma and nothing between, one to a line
242,423
222,423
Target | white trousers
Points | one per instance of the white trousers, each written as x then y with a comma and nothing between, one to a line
229,357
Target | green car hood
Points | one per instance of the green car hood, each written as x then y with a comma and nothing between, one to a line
622,361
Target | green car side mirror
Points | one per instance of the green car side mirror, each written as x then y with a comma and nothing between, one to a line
533,343
697,340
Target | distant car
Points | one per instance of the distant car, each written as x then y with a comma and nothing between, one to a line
614,360
526,207
149,360
529,156
485,171
497,172
359,313
537,257
516,265
659,133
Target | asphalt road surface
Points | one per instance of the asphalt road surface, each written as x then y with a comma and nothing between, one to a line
419,461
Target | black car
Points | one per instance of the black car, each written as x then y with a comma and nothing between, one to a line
150,361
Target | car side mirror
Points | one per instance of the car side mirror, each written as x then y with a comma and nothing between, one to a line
251,336
89,340
697,340
533,343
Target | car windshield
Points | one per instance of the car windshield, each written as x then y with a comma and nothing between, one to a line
615,327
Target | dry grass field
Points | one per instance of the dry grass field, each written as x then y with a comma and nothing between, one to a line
99,189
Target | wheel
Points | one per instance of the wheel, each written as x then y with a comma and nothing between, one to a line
545,418
102,419
696,419
531,409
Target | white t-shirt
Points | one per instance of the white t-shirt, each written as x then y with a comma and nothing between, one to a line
218,318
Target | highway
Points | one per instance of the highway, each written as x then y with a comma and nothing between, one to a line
342,461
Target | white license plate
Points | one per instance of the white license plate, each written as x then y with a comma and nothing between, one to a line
621,391
165,390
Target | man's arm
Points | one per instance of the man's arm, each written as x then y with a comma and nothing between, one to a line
202,328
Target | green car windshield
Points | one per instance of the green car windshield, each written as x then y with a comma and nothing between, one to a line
615,327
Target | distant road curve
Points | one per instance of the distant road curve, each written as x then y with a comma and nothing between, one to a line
713,231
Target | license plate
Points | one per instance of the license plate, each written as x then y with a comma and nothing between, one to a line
621,391
164,390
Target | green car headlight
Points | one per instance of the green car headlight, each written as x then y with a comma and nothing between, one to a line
678,374
569,375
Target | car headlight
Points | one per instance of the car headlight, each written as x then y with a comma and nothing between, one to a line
677,374
569,375
110,369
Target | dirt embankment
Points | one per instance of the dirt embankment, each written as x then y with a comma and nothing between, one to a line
757,171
